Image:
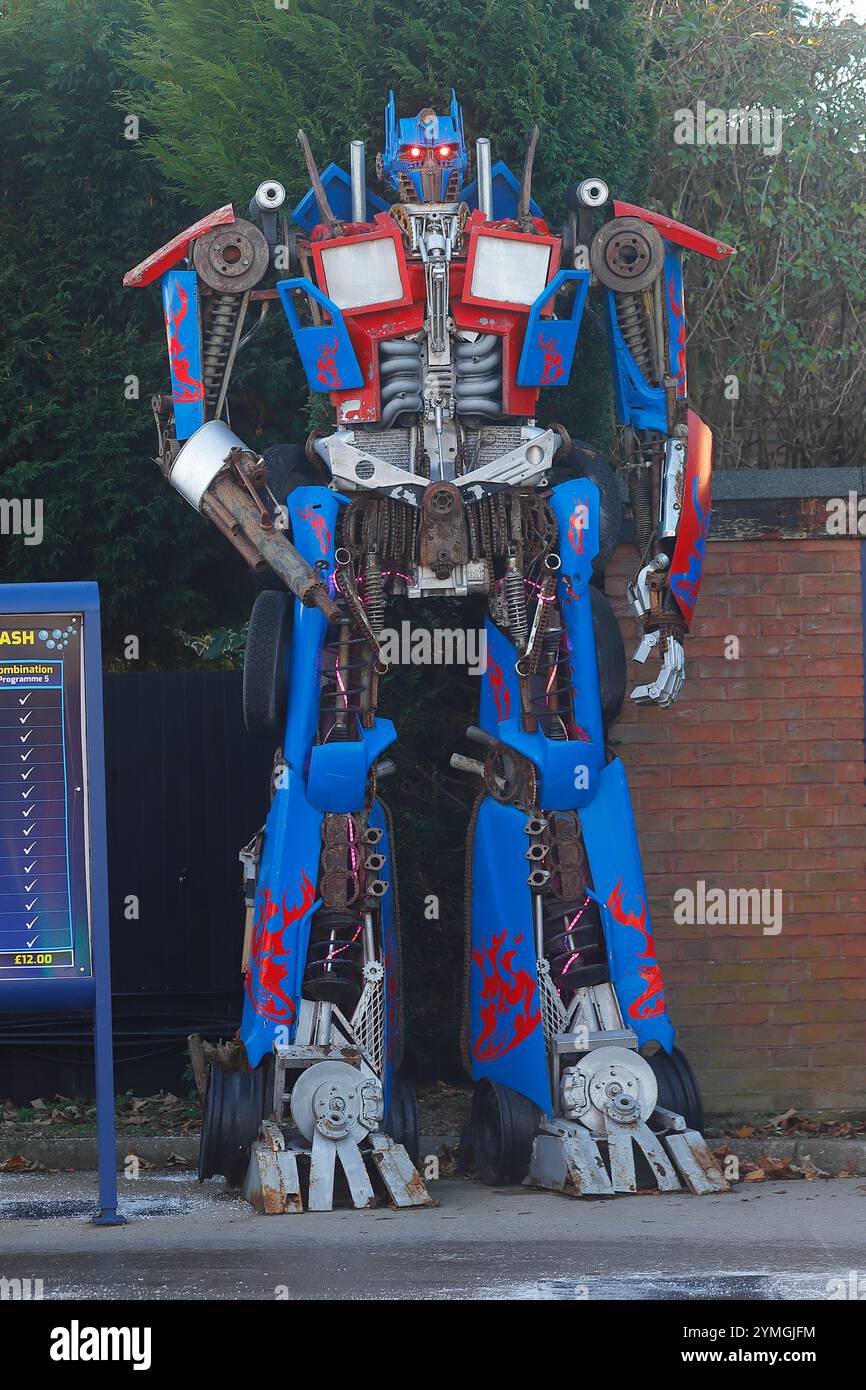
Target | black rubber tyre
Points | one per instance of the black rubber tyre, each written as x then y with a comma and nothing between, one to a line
609,655
403,1122
234,1107
266,662
582,461
678,1086
288,467
503,1126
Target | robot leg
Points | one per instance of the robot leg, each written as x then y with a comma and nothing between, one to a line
563,987
314,1114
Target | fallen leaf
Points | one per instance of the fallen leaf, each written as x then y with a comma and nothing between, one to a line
19,1164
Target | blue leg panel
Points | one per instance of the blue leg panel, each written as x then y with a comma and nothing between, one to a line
506,1033
285,902
614,859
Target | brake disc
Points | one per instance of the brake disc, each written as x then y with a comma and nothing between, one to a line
609,1080
338,1100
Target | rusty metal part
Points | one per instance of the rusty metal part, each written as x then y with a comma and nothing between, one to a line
443,542
528,663
225,495
213,509
345,582
510,777
321,196
384,525
221,331
565,437
524,216
342,866
232,259
627,254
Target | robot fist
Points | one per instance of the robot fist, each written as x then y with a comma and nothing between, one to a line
663,691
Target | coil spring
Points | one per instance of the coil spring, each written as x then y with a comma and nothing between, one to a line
633,326
335,959
343,685
574,943
514,594
550,698
641,505
374,592
401,380
478,368
218,338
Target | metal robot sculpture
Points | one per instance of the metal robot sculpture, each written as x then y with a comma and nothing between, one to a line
432,321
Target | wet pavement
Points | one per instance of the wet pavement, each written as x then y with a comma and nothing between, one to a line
773,1241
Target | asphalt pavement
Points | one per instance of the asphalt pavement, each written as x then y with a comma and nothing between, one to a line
768,1241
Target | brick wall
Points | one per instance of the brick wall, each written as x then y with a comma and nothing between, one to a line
755,779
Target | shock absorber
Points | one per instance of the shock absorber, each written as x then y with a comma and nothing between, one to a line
633,325
374,591
573,938
220,327
334,971
514,594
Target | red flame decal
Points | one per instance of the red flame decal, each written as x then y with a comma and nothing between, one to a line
266,974
326,366
552,361
319,525
508,1012
652,1002
191,390
500,691
680,344
577,527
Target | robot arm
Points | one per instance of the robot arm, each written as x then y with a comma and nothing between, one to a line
637,258
209,275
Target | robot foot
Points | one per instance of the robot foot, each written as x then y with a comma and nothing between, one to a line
333,1152
614,1137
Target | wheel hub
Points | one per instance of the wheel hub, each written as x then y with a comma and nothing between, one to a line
338,1101
611,1082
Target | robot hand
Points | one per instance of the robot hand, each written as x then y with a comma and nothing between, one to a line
664,690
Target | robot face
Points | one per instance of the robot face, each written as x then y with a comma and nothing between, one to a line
425,155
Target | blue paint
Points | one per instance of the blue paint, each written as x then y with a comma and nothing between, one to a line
549,345
506,194
567,768
338,190
326,351
506,1033
183,332
614,859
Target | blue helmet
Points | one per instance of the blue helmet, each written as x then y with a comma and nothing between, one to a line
425,155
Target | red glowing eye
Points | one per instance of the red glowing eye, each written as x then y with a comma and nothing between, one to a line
415,151
444,151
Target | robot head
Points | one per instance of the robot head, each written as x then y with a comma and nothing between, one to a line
425,155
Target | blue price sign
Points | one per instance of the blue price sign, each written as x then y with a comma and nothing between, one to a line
44,917
54,949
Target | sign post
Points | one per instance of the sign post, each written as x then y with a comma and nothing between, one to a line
54,943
